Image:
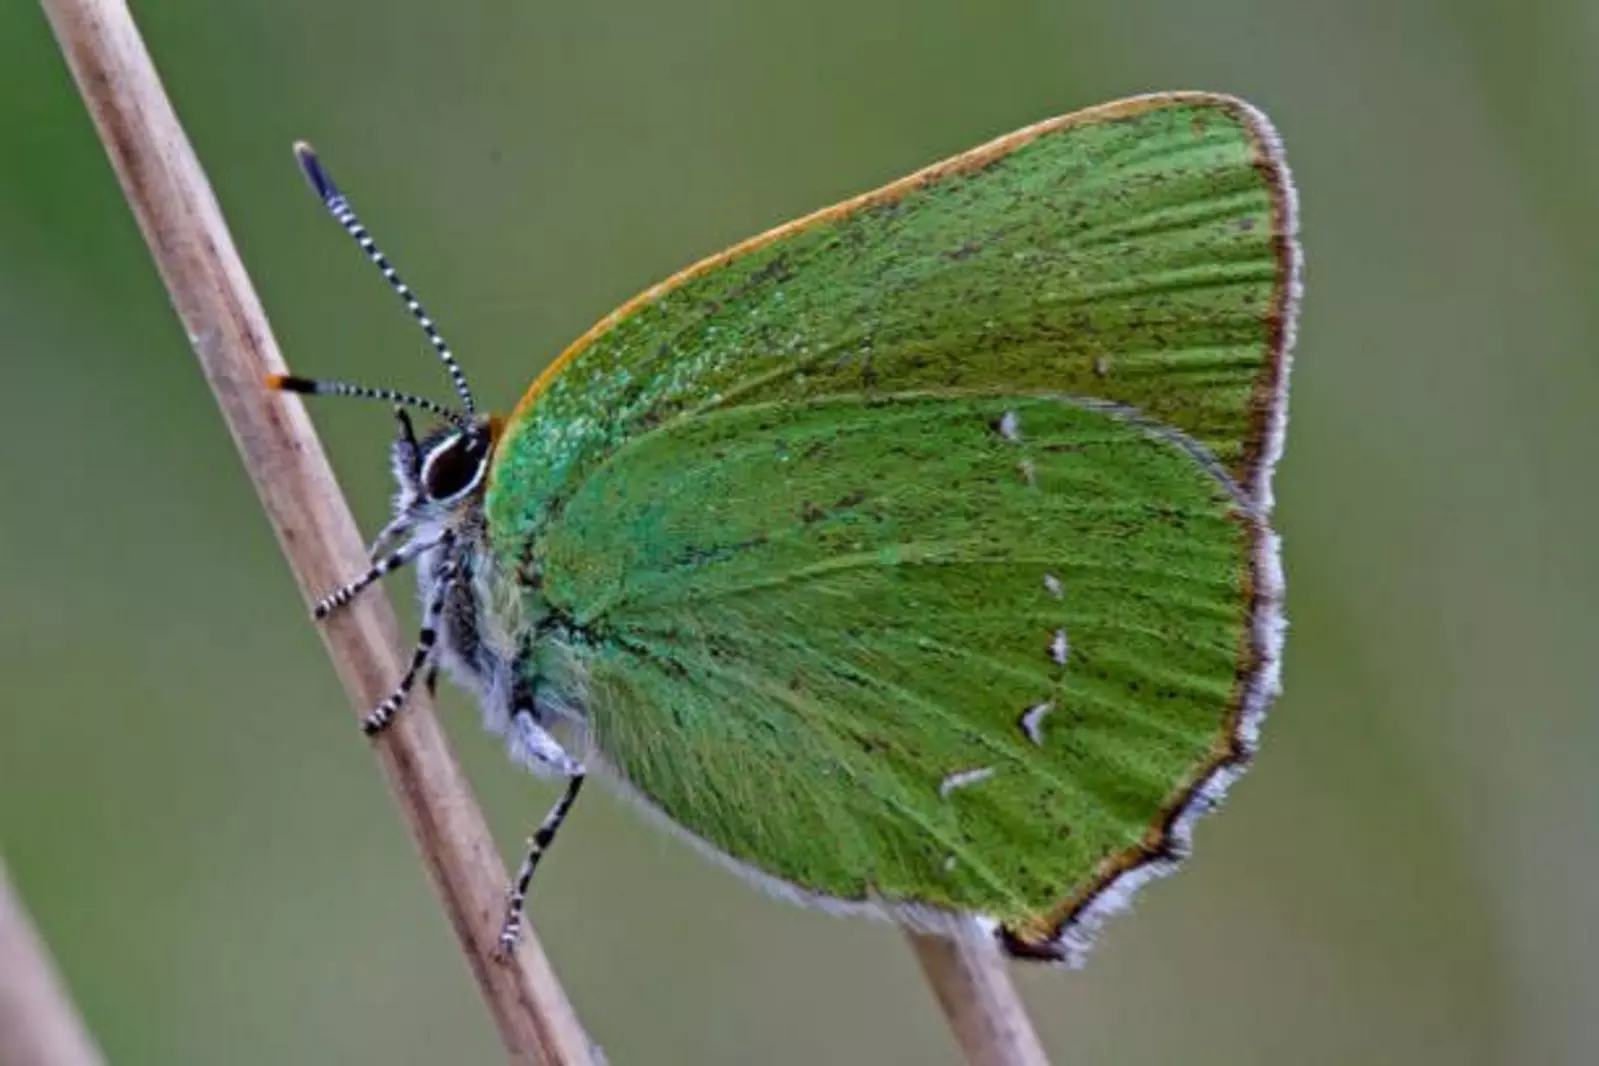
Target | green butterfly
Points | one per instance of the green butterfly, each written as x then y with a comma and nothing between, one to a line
912,558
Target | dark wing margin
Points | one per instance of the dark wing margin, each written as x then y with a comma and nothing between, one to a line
1070,932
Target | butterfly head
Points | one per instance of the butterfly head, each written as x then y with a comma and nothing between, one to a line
445,471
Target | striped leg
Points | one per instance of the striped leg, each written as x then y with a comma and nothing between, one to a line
533,743
342,595
398,526
426,640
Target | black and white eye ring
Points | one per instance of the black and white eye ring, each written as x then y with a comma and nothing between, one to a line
455,466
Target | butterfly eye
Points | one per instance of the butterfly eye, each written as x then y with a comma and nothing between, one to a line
455,466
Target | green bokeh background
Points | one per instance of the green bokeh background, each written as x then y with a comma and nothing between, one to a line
1407,875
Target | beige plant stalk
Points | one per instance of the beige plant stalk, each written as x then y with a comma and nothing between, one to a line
38,1024
194,253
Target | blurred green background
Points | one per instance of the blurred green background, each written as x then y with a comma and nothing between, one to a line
1406,877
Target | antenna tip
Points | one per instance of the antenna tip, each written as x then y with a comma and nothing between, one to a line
289,383
311,166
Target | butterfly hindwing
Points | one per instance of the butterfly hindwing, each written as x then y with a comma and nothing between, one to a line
944,651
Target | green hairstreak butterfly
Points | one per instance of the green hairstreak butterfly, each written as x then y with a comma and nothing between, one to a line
912,558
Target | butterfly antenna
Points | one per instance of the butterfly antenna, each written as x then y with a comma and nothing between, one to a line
309,387
338,206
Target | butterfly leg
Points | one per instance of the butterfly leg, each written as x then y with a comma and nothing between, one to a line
342,595
533,745
399,525
426,640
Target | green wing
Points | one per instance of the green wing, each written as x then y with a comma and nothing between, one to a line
915,554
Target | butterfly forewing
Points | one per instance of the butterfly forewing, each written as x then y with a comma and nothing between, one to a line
915,552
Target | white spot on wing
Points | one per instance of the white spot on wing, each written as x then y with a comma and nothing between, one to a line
1053,585
963,778
1058,648
1010,426
1033,721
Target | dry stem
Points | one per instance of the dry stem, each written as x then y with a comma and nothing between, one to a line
184,229
38,1025
968,975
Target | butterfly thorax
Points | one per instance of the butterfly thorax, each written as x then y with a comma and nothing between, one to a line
497,637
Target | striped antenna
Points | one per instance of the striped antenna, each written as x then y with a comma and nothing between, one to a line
339,207
308,387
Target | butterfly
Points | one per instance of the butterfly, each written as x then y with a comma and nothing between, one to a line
913,558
